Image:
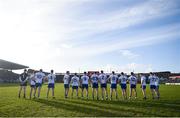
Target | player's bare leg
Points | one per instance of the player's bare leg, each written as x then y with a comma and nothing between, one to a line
130,93
24,88
97,95
144,93
87,93
135,92
53,92
39,91
77,93
111,92
48,92
152,92
72,93
31,93
93,93
20,89
82,93
157,93
116,94
102,91
106,93
67,92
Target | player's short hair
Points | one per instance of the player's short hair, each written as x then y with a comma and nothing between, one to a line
102,71
113,72
25,70
85,72
41,70
75,73
67,72
132,73
52,71
151,73
122,73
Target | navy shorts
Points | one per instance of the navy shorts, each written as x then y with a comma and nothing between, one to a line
133,86
152,87
157,86
74,87
95,85
143,86
66,85
113,86
33,86
23,84
85,86
103,85
123,86
38,84
50,85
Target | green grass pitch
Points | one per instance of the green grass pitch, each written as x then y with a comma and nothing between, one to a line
11,105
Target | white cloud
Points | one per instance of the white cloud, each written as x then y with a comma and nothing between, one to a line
127,68
55,33
129,54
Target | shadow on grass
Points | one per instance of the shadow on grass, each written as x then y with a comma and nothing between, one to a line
78,108
95,109
138,106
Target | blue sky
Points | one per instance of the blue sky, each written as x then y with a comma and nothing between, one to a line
119,35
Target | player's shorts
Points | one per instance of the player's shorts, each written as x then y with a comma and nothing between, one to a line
51,85
95,85
143,86
23,84
85,86
66,85
104,85
152,87
33,86
113,86
74,87
133,86
123,86
157,86
38,84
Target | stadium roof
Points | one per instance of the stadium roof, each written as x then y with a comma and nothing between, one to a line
10,65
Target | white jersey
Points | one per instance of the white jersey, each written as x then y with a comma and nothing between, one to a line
66,79
152,80
39,76
113,78
103,78
94,78
75,81
143,80
132,80
51,78
32,79
123,79
156,80
85,79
